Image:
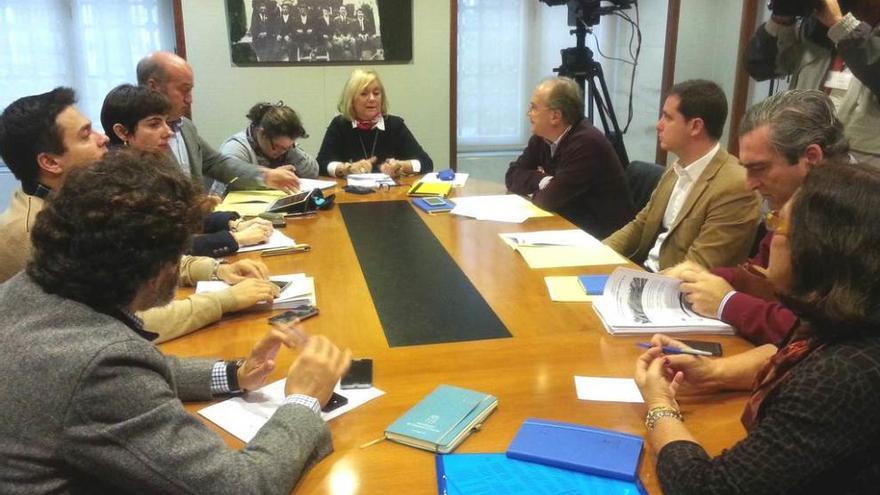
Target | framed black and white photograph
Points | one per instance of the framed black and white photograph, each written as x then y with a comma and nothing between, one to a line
319,31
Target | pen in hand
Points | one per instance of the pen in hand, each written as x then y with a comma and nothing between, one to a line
675,350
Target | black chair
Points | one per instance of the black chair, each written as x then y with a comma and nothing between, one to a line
642,178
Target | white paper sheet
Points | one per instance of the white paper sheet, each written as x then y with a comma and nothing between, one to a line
607,389
499,208
572,237
369,180
244,416
301,288
309,184
276,240
459,181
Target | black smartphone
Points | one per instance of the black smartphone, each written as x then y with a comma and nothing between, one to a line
302,312
702,345
336,401
360,375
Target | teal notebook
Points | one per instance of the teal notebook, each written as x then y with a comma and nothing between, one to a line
491,474
443,419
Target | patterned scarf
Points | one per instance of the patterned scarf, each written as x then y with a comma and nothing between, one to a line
776,372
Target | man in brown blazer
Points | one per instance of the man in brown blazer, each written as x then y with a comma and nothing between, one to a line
701,210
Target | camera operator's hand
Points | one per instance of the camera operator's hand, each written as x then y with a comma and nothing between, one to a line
829,12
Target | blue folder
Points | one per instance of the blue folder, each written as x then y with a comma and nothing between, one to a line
593,285
491,474
577,447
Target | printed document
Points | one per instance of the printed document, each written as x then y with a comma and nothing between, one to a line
244,416
640,302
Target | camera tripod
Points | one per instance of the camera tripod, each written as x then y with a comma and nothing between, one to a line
578,64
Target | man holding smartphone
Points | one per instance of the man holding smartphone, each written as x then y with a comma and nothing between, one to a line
107,402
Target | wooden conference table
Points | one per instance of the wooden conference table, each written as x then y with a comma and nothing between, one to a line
530,373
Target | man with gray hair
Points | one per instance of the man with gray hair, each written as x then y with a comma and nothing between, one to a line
781,139
172,76
568,166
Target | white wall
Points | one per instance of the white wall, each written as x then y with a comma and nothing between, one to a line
641,138
708,38
419,92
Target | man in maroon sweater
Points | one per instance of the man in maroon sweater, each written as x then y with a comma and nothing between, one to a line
568,166
781,139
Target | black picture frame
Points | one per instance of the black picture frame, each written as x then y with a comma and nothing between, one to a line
373,32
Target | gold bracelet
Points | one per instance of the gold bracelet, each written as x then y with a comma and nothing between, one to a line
655,413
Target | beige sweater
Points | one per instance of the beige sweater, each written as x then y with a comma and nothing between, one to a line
179,317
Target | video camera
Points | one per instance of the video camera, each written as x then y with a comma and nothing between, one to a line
802,8
589,11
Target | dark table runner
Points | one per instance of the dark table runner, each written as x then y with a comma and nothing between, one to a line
420,293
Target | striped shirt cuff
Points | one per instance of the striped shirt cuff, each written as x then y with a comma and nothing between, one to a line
219,383
304,400
724,302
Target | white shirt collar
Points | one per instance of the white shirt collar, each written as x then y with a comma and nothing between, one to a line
380,123
693,171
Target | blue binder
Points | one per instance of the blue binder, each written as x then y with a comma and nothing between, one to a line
491,474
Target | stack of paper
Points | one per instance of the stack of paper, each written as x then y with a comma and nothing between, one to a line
499,208
370,180
560,248
244,416
300,291
642,302
276,240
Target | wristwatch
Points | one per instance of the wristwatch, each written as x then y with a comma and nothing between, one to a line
232,374
216,268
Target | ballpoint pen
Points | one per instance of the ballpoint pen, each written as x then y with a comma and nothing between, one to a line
675,350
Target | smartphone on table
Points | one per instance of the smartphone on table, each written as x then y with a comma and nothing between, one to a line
702,345
336,401
360,375
302,312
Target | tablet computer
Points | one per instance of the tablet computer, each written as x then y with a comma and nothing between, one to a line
290,203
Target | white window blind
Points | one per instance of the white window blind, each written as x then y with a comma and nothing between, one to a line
492,93
89,45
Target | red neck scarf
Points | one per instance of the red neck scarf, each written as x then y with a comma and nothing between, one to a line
366,125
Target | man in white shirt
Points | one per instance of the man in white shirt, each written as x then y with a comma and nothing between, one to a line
701,210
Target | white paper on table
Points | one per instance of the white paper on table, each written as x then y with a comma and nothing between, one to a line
276,240
309,184
369,180
572,237
607,389
301,287
244,416
459,180
500,208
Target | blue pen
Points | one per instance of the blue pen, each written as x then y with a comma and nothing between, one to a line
675,350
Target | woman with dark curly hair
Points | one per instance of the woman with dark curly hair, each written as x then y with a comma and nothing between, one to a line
270,140
134,119
812,418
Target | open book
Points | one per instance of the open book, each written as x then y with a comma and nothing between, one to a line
640,302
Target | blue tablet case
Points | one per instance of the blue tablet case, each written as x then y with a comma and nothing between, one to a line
577,447
490,474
